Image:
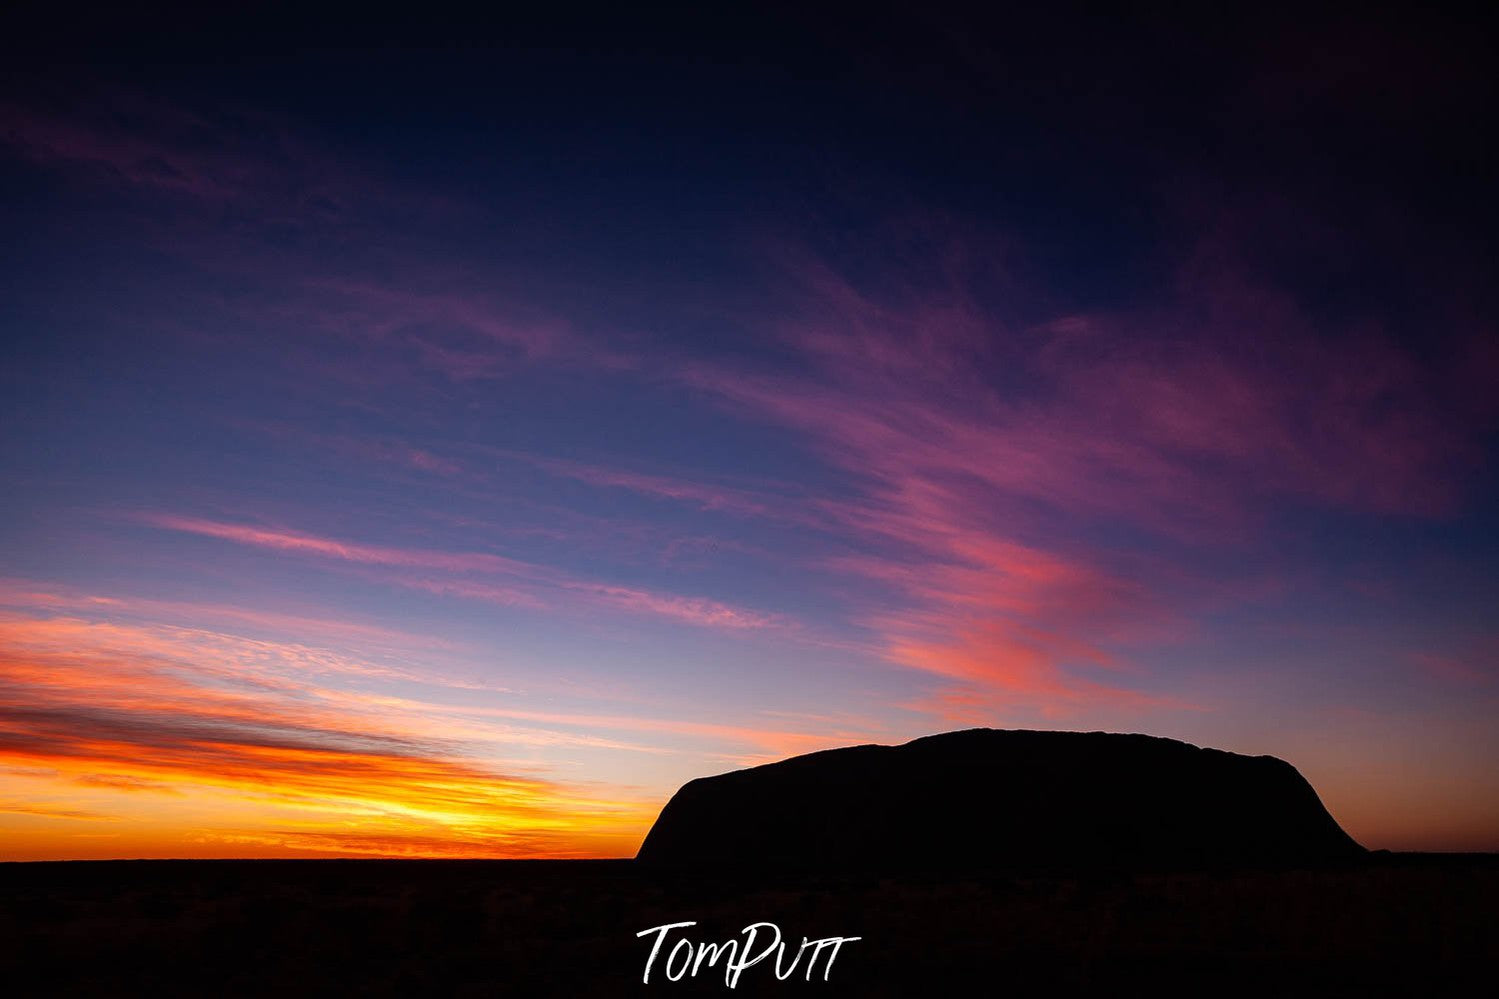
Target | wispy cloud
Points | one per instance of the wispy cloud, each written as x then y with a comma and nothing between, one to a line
702,495
445,324
117,710
536,581
1474,663
377,298
142,721
982,455
32,595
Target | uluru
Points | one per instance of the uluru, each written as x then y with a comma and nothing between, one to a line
1002,799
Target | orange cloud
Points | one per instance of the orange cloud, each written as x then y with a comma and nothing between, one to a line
137,738
94,714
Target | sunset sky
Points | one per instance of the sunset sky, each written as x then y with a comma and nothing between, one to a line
438,439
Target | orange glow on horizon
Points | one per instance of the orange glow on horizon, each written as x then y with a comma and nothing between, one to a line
114,743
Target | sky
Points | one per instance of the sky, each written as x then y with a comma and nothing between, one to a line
445,438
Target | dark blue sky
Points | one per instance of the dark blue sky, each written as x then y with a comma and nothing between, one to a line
446,436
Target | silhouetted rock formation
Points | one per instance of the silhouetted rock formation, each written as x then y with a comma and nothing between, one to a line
987,798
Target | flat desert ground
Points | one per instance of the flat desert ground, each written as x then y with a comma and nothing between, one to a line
1396,924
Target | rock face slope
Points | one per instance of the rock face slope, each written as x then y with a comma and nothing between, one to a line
999,799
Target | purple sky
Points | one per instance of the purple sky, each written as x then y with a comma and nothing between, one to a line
454,450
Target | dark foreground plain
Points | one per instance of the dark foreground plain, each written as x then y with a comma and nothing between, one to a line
1393,924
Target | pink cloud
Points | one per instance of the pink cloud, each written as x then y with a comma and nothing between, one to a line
127,154
31,595
308,544
483,342
700,495
424,312
1474,663
538,580
693,610
981,456
223,155
390,451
